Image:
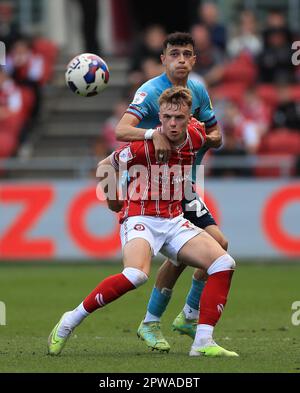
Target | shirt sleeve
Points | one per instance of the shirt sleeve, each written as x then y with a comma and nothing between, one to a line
140,107
124,156
207,114
197,129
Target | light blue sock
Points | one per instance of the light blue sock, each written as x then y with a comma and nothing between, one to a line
158,301
194,294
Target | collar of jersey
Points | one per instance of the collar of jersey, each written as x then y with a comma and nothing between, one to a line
183,143
165,76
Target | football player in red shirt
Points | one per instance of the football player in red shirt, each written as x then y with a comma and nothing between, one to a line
152,221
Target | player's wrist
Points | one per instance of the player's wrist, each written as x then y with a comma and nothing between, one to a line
149,133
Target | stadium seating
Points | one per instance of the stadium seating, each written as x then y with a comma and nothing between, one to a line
229,91
242,69
268,94
281,140
28,103
280,146
49,51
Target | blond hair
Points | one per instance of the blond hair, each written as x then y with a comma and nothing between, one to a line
176,95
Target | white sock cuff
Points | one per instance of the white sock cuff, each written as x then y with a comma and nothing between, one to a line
82,310
205,329
135,276
225,262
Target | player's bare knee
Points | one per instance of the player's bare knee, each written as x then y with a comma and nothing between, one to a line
200,275
136,276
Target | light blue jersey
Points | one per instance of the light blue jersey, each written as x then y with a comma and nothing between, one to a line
145,106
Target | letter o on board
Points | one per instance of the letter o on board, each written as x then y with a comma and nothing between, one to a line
97,246
271,220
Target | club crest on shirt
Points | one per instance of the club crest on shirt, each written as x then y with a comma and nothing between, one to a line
139,227
139,97
125,155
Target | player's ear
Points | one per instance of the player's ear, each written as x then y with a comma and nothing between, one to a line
194,59
163,58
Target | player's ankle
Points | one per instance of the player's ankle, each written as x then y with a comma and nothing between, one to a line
190,312
151,318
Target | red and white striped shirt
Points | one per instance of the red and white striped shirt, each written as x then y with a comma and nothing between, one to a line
156,189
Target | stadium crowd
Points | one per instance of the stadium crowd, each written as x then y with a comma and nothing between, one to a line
251,79
245,65
29,65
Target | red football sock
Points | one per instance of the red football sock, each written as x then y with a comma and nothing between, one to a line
110,289
214,297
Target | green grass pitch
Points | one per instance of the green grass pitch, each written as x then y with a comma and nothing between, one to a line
256,322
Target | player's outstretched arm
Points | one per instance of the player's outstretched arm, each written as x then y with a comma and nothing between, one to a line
127,131
108,177
213,137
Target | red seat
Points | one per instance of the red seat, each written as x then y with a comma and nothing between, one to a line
8,144
280,148
295,93
281,140
242,69
229,91
49,51
268,94
27,102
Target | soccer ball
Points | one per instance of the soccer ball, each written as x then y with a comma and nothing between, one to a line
87,74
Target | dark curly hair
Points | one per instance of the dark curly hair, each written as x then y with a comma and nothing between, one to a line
178,38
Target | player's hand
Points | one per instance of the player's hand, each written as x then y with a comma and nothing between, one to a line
200,126
162,147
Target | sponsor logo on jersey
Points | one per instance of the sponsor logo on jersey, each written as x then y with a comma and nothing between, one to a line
125,155
139,97
139,227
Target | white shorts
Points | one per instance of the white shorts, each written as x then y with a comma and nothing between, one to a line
165,235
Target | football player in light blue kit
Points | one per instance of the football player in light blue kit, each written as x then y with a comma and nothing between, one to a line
138,123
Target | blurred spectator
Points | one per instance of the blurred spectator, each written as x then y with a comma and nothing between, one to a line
149,46
247,38
209,16
8,32
254,109
27,68
150,68
275,61
11,118
107,142
246,130
275,19
89,25
209,59
287,113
